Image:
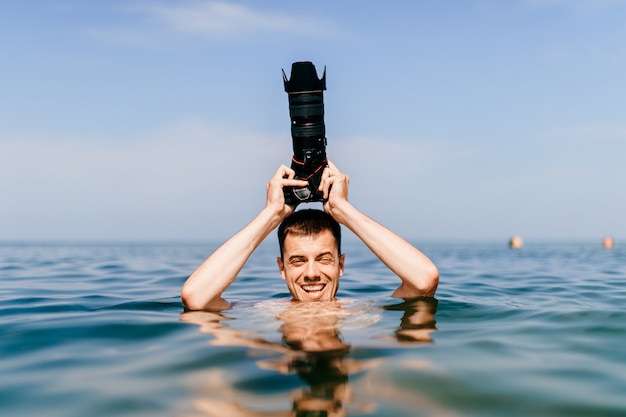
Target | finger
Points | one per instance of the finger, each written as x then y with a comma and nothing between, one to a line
284,172
289,173
286,182
290,182
325,186
323,178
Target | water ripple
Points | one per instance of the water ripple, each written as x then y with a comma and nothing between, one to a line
99,330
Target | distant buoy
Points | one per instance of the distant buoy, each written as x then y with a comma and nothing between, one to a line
516,242
608,242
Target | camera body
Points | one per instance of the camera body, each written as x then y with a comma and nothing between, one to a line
308,132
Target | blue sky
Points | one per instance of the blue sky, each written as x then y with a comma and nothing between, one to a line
477,119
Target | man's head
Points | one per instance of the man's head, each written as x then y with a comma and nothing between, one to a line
310,255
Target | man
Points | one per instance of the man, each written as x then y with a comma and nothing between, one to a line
310,261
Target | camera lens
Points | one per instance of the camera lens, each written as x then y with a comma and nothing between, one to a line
308,133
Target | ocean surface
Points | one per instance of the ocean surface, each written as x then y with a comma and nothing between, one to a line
98,329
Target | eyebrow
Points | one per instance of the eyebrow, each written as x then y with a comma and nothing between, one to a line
321,255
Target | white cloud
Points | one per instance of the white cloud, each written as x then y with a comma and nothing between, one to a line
194,180
217,20
120,188
192,156
180,181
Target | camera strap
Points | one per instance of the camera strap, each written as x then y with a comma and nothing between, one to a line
308,167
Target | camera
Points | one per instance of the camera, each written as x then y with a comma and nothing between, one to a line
308,133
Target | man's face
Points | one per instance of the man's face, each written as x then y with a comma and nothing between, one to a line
312,266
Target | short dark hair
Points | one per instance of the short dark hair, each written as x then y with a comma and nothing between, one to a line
308,222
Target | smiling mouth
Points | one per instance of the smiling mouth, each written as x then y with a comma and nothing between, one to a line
313,288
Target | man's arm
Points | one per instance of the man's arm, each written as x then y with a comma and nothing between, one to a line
419,275
203,289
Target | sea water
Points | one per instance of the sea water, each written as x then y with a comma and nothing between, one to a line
98,329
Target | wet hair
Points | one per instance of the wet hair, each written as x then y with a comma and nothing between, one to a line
308,222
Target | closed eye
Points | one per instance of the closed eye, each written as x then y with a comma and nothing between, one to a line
326,260
296,261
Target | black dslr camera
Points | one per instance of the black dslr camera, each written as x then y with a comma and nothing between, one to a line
308,133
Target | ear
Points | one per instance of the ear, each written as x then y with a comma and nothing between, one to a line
342,259
281,267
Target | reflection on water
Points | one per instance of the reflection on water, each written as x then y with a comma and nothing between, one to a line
418,320
312,347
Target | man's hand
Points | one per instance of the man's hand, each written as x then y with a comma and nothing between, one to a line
334,187
284,177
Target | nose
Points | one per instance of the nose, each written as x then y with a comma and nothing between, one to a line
312,272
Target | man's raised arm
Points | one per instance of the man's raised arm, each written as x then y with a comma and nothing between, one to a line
418,273
203,289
